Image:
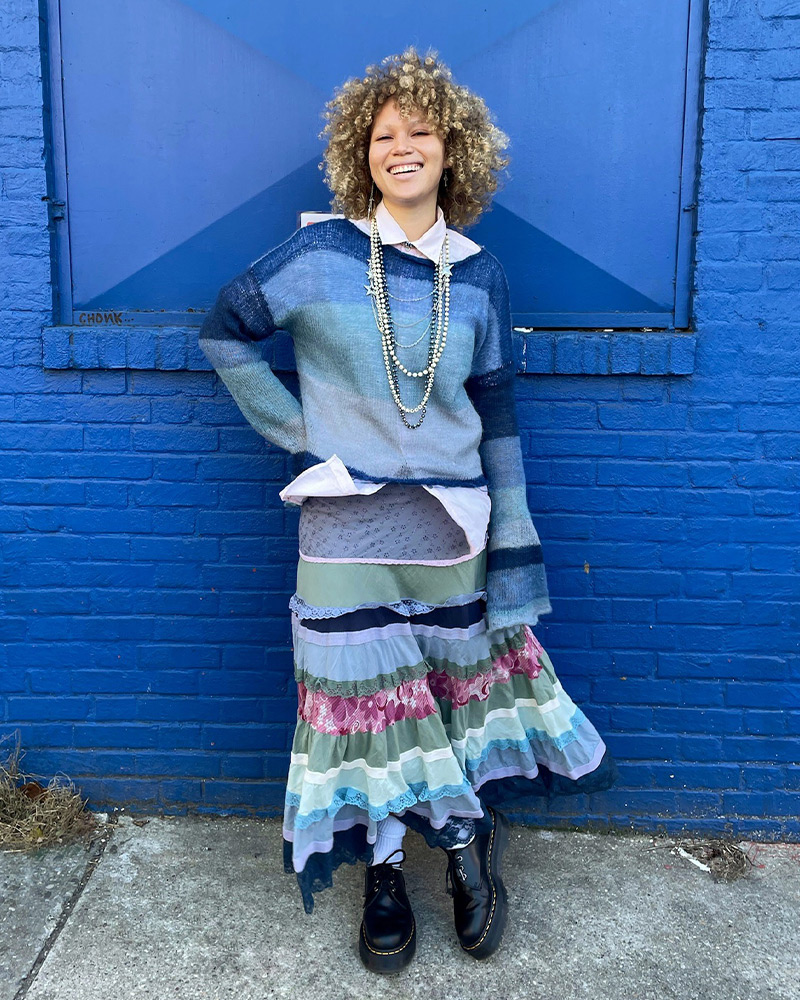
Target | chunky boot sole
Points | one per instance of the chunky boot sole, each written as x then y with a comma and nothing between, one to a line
387,962
489,941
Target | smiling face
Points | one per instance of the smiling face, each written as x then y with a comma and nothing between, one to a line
406,159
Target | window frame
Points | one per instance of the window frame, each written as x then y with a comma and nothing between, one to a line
680,319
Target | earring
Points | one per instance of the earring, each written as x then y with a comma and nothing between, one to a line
444,177
371,195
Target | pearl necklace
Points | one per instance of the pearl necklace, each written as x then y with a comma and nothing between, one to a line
379,294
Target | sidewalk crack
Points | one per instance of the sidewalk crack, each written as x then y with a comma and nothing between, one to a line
97,849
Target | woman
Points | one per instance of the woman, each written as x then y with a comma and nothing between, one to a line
425,699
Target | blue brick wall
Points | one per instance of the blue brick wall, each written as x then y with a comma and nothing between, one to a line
146,560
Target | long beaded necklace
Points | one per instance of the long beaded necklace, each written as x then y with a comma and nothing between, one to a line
438,323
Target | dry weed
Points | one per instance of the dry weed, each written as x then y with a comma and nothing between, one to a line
36,815
725,861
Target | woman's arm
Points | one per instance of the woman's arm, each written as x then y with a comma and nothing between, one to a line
231,337
516,583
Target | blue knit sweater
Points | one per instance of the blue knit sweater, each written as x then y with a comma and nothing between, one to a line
314,285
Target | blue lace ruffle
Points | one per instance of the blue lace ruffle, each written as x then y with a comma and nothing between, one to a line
559,742
416,792
349,847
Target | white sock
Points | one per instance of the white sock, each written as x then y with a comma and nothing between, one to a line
390,839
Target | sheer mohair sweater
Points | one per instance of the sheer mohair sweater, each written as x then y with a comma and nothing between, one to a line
314,286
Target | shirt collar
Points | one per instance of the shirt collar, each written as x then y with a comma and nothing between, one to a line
429,244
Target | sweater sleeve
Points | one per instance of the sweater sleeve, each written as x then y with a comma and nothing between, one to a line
232,337
516,584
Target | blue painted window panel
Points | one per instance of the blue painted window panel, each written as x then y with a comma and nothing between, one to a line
191,143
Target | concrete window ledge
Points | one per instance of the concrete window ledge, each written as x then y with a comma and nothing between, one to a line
541,352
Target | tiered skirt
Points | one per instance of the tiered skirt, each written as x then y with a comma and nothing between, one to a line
407,703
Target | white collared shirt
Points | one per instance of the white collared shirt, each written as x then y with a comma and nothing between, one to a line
429,244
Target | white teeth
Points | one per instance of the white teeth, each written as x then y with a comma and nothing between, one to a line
405,169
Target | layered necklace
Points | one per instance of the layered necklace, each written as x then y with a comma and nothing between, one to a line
438,320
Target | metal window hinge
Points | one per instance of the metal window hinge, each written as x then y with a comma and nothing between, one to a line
57,210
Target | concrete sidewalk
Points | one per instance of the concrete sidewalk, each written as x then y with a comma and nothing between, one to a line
200,907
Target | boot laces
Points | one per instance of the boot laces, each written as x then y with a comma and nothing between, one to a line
385,872
455,869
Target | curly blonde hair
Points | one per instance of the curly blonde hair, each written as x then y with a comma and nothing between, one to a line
472,142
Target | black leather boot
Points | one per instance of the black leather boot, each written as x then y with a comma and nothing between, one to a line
480,900
387,939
